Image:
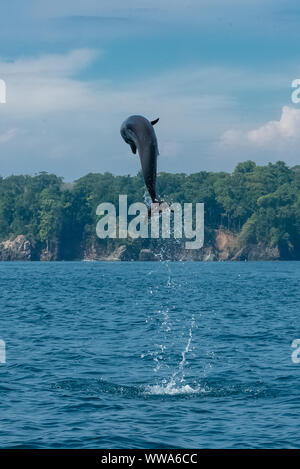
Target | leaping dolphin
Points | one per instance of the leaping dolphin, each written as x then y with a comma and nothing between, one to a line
139,133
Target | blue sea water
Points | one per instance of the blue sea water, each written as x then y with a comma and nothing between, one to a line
149,355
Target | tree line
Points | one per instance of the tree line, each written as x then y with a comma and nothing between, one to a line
261,204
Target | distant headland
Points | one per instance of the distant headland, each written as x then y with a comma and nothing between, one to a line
251,214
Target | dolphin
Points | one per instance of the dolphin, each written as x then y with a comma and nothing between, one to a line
139,133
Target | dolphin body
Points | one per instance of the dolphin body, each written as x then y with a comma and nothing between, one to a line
139,133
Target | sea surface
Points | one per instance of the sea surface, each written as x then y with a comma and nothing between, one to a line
149,355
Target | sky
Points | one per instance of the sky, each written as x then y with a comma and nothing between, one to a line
217,73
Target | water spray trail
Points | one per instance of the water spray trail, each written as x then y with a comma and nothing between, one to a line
167,337
180,371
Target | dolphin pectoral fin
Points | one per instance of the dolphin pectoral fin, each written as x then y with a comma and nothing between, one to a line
133,147
155,121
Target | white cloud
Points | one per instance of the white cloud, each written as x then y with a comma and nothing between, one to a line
71,126
45,84
286,129
8,135
282,133
51,65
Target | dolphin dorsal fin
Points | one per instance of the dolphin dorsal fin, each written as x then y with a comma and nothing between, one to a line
155,121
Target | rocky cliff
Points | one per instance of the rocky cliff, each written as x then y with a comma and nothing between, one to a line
18,249
223,246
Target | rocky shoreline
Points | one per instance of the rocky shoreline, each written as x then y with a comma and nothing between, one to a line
223,247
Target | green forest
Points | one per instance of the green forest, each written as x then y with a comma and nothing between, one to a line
261,204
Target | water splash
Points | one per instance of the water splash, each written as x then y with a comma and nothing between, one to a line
187,348
147,199
169,331
176,384
163,248
172,390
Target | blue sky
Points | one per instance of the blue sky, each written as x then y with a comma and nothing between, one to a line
218,73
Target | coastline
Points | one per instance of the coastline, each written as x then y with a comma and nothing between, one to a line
222,246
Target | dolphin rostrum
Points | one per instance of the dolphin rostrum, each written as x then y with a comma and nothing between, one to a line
139,133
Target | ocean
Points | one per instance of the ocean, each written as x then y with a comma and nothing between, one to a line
149,355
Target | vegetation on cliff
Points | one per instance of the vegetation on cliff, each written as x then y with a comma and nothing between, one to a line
259,204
